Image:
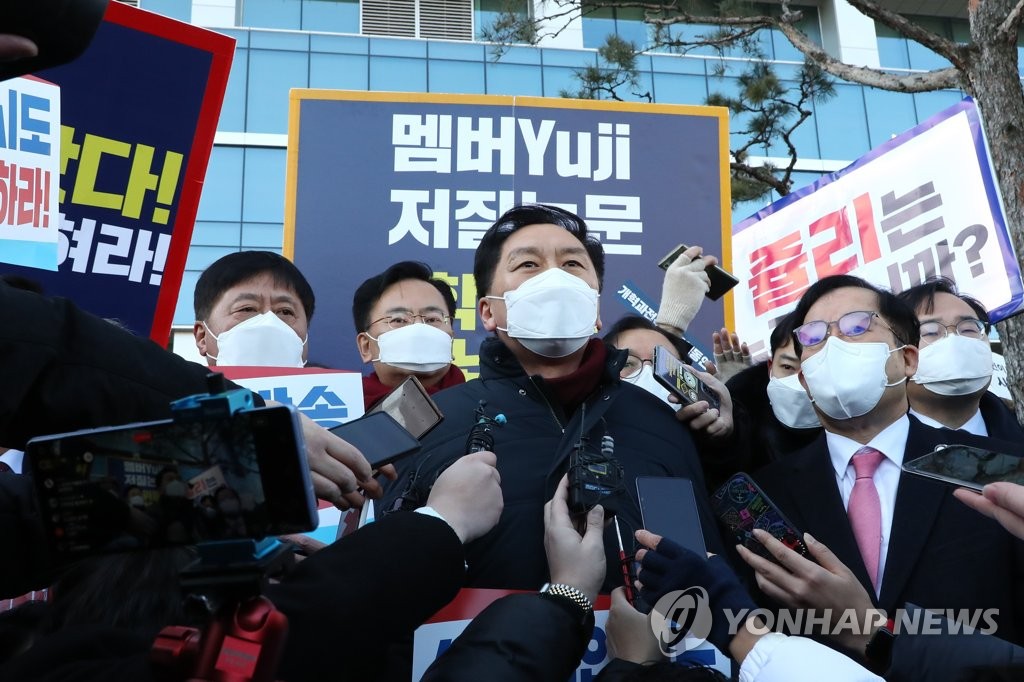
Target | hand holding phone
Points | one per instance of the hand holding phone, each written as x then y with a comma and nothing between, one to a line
380,438
720,281
681,379
743,507
967,466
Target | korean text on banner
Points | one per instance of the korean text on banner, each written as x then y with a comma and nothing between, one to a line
29,172
923,204
328,397
436,171
139,111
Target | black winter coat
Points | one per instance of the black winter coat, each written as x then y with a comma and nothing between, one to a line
533,450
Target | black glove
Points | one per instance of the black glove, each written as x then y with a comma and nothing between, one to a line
673,567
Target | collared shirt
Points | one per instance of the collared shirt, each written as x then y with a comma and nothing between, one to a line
975,425
891,442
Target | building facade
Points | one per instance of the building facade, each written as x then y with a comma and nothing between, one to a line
406,45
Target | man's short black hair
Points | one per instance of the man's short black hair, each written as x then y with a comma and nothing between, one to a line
630,322
923,296
896,313
488,253
370,291
783,332
235,268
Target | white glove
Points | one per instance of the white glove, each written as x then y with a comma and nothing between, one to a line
684,287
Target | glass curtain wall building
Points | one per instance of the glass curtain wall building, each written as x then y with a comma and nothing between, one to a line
406,45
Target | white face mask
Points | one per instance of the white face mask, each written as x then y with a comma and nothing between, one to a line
263,340
955,365
645,380
552,314
791,404
415,347
846,379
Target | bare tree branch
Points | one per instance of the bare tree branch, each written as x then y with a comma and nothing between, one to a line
760,174
1008,29
938,79
897,22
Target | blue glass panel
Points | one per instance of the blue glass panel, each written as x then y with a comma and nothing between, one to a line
810,24
931,103
842,124
398,73
273,75
629,24
519,55
920,56
394,47
892,48
263,196
184,312
672,88
597,26
559,78
468,52
889,113
279,40
339,44
513,79
200,257
272,13
577,58
339,71
217,234
663,63
262,236
232,112
222,191
336,16
175,9
457,77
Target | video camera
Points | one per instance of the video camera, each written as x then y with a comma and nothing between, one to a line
221,469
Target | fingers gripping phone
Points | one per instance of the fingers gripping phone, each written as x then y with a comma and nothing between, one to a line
743,507
967,466
721,281
668,508
380,438
681,379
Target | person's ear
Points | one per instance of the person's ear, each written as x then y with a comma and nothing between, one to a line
199,333
485,309
365,346
911,355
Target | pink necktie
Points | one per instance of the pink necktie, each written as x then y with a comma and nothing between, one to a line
865,510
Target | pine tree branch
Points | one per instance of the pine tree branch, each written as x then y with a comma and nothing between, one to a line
1008,29
937,44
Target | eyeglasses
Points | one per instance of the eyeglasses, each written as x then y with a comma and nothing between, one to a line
633,367
851,324
399,320
970,328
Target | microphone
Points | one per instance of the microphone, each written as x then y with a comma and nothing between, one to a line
480,438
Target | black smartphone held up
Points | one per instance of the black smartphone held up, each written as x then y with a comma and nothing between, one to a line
668,508
173,482
721,281
410,406
743,507
680,379
380,438
968,466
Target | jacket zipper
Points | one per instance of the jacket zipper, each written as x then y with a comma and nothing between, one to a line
547,402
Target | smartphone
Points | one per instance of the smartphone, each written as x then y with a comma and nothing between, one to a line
380,438
173,482
668,508
410,406
721,281
968,466
61,30
681,379
743,507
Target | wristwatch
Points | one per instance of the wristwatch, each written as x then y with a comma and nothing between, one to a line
878,651
568,593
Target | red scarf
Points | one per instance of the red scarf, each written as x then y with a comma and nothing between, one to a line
571,390
374,390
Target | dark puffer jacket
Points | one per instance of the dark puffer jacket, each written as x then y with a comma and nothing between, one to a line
533,450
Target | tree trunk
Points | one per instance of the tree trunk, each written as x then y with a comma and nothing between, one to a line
990,75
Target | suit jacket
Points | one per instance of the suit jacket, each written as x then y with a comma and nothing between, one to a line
942,554
1000,421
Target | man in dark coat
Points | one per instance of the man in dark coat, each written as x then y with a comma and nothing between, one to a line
538,274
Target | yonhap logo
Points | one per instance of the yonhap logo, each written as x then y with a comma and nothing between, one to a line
680,613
